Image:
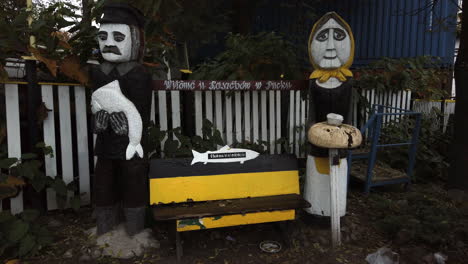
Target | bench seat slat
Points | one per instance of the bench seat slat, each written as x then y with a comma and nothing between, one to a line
228,207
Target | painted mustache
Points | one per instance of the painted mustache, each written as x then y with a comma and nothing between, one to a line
111,49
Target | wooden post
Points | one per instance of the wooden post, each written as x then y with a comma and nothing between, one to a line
334,197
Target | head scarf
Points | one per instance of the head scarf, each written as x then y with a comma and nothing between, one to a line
342,72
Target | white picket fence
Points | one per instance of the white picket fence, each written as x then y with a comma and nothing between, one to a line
426,107
240,116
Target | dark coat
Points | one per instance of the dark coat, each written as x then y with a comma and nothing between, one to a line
324,101
136,85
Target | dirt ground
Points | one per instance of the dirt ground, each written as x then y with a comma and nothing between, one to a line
305,240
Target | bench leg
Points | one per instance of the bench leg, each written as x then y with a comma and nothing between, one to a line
179,250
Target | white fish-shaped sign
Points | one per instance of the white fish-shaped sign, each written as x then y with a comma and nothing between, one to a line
111,99
224,155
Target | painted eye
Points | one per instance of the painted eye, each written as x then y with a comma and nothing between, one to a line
102,36
338,34
322,35
119,37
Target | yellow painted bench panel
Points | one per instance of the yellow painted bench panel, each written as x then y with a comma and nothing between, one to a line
224,186
234,220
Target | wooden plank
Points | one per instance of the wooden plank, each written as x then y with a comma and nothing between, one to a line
271,103
263,112
303,122
278,120
82,144
49,139
198,113
238,103
162,104
235,220
65,134
247,130
228,99
94,145
297,123
153,109
13,136
255,121
291,121
408,100
219,113
209,106
175,108
228,207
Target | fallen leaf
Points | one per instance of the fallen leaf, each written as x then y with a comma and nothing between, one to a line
50,63
3,74
72,68
42,112
13,261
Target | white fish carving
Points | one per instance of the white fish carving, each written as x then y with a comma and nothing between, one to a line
223,155
111,99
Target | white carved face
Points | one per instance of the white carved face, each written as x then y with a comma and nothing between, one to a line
115,42
331,45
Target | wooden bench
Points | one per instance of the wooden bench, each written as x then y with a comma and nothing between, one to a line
265,189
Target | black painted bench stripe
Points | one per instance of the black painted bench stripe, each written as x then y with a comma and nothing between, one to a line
167,168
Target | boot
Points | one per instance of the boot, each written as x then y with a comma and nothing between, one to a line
106,218
134,220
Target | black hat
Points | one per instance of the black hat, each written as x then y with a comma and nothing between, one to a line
121,13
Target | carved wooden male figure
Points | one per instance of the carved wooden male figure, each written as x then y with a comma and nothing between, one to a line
121,105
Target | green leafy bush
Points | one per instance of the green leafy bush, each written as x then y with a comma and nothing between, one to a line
432,154
422,75
264,56
423,217
22,235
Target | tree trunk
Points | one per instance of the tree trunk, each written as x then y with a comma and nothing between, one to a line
458,177
86,13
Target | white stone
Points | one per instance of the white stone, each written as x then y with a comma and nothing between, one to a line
118,244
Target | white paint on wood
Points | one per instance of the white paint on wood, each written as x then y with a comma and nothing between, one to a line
13,136
162,104
198,113
336,175
317,188
408,100
65,134
291,120
219,113
263,112
175,107
297,123
238,103
255,120
153,107
272,122
229,139
94,145
278,120
49,139
303,120
209,106
82,144
247,130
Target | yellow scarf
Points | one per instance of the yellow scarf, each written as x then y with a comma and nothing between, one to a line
323,75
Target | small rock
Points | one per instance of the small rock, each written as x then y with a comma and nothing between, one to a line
383,256
84,258
230,238
457,196
68,254
402,203
96,253
54,223
440,258
403,237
